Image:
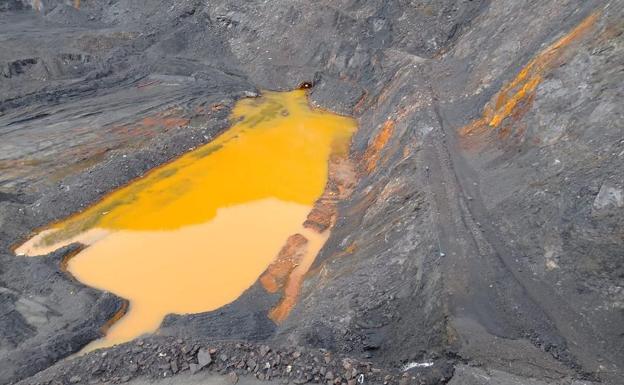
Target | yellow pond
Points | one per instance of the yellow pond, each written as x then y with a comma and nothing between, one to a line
192,235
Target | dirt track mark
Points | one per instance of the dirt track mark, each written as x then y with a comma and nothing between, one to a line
553,325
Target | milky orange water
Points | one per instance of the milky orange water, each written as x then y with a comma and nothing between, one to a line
192,235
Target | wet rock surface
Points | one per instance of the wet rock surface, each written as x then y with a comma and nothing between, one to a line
484,234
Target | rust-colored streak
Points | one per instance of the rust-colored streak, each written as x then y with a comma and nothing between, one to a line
291,254
116,317
168,119
350,249
321,216
341,182
359,105
340,185
67,257
165,122
296,275
77,4
515,98
373,152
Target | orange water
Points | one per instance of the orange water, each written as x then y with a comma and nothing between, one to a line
192,235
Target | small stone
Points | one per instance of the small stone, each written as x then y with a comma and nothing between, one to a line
75,379
133,368
174,367
97,370
223,357
232,378
194,368
329,375
352,382
251,364
296,354
264,350
203,358
125,379
609,196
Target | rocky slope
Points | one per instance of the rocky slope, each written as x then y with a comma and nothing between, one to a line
484,234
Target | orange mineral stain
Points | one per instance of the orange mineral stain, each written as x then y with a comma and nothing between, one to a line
288,271
192,235
374,149
515,97
295,278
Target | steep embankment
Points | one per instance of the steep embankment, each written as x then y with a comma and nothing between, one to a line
484,233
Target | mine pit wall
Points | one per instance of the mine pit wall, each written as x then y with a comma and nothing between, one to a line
428,306
411,97
388,225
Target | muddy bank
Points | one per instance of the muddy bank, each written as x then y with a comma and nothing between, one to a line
484,232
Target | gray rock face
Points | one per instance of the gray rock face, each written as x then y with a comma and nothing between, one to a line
489,133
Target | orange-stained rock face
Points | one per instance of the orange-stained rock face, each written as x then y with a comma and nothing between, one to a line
341,182
290,292
291,254
515,98
375,148
340,185
321,216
